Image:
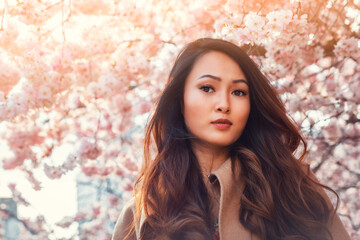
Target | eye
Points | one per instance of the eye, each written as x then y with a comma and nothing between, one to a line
239,93
207,88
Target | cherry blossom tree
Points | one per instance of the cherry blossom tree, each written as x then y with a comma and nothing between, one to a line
86,73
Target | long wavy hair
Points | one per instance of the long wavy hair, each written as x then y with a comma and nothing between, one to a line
281,199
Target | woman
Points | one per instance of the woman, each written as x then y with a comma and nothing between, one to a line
224,165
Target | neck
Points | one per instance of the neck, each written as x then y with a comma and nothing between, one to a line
209,157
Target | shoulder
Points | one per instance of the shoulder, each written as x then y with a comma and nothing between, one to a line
125,221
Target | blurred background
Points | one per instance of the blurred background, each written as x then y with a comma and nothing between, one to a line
79,80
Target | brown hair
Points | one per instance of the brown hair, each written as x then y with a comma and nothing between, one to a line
281,199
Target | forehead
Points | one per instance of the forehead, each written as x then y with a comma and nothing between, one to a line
218,64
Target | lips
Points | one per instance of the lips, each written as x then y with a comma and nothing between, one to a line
222,123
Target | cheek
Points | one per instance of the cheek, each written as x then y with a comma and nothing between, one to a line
191,113
242,114
194,109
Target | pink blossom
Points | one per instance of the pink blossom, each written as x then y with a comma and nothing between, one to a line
211,5
137,64
119,172
74,51
52,172
19,157
279,18
36,184
76,102
12,186
125,124
110,81
12,162
274,69
153,48
104,91
3,112
2,96
23,138
97,90
242,35
36,226
70,162
89,150
93,6
106,125
348,47
145,107
332,132
17,104
113,152
233,6
114,201
32,12
128,187
98,40
89,170
123,105
9,34
105,171
30,91
130,165
80,216
17,196
92,89
254,22
9,77
62,63
96,210
83,73
202,16
44,93
65,222
94,228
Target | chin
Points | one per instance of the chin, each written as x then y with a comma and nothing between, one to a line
221,144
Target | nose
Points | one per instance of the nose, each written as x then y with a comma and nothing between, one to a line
223,105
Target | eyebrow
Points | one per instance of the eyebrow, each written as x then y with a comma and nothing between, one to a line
219,79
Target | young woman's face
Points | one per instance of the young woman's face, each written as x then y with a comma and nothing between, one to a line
216,100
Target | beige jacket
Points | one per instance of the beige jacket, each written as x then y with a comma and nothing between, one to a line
220,181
